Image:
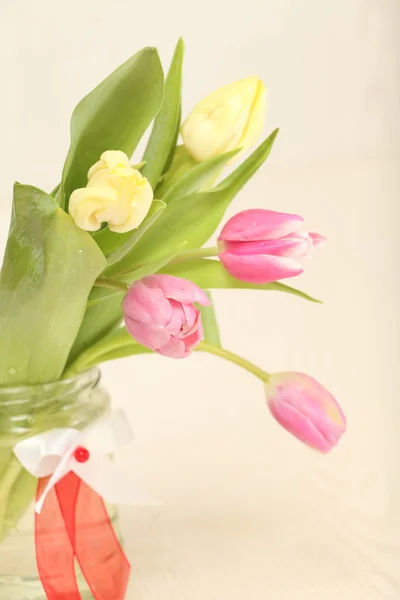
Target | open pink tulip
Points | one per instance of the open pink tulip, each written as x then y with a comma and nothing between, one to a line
306,409
159,313
261,246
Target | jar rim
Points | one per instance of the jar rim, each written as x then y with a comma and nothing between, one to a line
80,381
72,402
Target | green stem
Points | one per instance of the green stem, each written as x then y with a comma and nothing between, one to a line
234,358
8,478
112,284
196,253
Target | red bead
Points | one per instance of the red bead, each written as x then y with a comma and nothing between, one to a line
81,454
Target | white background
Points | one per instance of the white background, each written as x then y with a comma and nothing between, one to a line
248,511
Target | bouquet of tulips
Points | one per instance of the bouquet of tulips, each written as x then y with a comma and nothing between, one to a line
112,262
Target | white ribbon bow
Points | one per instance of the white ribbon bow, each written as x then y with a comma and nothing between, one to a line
57,452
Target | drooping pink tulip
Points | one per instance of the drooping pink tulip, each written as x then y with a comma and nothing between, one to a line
160,313
261,246
306,409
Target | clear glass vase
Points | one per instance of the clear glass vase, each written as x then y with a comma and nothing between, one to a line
24,412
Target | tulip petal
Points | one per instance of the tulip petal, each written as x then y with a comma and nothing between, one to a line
299,425
317,239
174,349
294,245
191,314
255,123
187,329
192,340
85,206
260,268
259,224
177,319
114,159
152,337
147,304
177,288
95,168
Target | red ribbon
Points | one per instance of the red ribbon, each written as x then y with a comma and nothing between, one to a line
74,524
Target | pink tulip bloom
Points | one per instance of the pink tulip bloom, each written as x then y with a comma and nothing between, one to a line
306,409
261,246
160,314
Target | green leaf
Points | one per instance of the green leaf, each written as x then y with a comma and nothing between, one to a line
238,178
151,267
123,351
114,115
103,313
210,274
116,245
163,137
21,495
49,268
198,177
116,344
181,163
195,217
210,325
171,155
55,191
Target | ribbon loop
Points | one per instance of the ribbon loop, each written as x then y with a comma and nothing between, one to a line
71,522
74,524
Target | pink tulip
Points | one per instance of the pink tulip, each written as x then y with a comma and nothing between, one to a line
261,246
306,409
160,314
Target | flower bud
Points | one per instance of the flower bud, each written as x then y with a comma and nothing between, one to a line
116,193
231,117
160,313
261,246
306,409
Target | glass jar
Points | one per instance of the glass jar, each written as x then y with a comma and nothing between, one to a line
26,411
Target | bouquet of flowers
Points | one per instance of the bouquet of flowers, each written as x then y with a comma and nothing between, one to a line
112,263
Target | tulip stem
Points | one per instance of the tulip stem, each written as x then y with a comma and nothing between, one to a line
112,284
196,253
234,358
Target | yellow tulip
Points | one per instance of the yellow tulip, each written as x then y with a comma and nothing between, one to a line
231,117
116,193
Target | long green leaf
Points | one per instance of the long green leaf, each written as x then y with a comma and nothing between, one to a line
123,351
238,178
198,177
116,245
210,274
210,325
181,163
117,344
103,313
151,267
163,137
171,155
49,268
113,116
195,217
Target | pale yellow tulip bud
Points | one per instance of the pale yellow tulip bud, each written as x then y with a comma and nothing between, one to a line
116,194
231,117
